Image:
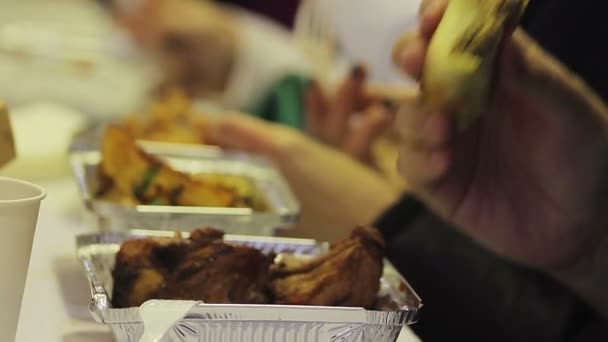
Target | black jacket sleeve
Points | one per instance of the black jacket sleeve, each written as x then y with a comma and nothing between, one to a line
575,32
471,295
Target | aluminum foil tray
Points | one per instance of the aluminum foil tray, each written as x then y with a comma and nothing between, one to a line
283,208
250,323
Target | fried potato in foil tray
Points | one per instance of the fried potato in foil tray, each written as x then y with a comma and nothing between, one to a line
131,184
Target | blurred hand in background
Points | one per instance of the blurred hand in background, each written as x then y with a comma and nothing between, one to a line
194,41
336,192
356,118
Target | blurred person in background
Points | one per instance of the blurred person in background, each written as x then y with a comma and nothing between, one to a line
242,62
500,300
219,53
238,59
356,32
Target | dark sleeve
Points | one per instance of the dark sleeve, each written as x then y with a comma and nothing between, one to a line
575,32
468,293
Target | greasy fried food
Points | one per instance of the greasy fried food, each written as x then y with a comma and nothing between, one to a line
205,268
201,268
346,276
128,171
152,181
216,272
142,269
171,119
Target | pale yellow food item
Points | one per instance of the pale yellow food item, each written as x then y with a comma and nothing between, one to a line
172,119
460,62
132,176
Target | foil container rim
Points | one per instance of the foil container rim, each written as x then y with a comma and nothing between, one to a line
103,313
284,208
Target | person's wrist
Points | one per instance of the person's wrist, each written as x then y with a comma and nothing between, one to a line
287,144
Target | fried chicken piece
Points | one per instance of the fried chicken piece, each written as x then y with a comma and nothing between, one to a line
201,268
142,268
348,275
220,273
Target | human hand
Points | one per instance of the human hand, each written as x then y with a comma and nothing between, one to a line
527,179
335,191
194,41
357,119
351,119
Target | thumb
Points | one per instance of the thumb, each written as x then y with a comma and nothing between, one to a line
316,110
373,123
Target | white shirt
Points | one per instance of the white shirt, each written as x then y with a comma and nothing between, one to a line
367,30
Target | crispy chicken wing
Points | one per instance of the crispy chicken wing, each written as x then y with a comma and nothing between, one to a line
142,269
202,268
206,268
348,275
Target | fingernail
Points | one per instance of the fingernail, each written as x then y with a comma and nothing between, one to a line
432,128
175,43
412,57
358,72
390,105
312,85
439,162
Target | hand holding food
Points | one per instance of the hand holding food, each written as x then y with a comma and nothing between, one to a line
460,61
525,178
356,119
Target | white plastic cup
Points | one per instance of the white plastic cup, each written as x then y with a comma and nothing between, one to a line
19,207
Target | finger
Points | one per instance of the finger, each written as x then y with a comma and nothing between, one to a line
410,50
419,127
421,167
388,95
412,56
348,100
402,42
424,5
431,17
431,131
316,110
374,122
